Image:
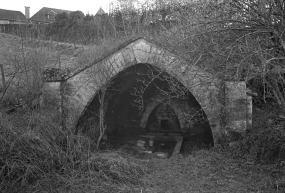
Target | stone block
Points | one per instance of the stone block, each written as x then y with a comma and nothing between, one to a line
116,62
141,51
236,105
129,57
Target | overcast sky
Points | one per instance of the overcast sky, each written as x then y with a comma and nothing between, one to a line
85,6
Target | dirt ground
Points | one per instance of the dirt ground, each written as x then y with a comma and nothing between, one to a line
210,171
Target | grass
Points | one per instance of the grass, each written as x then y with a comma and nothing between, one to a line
212,171
36,156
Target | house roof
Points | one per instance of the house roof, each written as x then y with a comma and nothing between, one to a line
11,15
100,12
41,15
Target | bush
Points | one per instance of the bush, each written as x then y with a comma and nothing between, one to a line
265,145
37,156
266,141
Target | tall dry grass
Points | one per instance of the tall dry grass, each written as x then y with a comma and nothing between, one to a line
37,156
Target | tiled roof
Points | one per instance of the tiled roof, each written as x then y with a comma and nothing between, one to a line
42,14
11,15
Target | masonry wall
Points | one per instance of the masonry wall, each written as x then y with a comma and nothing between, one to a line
236,104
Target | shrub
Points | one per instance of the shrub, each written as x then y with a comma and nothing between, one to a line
37,156
265,142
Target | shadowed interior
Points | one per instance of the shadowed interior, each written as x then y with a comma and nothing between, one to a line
161,111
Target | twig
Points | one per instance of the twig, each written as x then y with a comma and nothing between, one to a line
3,76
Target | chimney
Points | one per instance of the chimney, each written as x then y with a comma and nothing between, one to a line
27,12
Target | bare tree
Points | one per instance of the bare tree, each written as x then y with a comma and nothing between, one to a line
102,75
24,64
233,40
255,50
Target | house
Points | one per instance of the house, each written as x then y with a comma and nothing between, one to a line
12,17
101,17
100,12
46,15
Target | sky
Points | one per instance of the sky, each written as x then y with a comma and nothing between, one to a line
86,6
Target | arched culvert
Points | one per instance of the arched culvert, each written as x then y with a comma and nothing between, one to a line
133,95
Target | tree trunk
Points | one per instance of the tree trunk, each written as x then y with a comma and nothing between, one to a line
3,76
102,127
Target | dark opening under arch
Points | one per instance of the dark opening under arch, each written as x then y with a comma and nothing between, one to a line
163,119
124,119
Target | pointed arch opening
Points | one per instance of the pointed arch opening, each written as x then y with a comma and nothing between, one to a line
142,95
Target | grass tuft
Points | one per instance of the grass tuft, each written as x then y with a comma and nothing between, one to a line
36,156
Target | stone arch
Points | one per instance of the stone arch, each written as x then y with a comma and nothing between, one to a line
151,107
183,121
80,88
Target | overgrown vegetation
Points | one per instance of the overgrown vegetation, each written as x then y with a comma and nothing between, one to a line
37,156
265,143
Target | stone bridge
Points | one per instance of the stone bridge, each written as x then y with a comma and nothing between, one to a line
223,103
